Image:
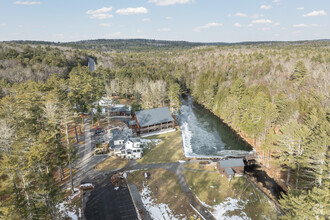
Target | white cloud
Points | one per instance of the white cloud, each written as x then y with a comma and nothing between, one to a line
105,25
163,29
300,8
299,25
255,16
59,36
3,24
315,25
132,11
237,24
250,25
139,31
296,32
26,3
315,13
276,24
213,24
266,7
169,18
146,19
169,2
114,34
239,14
276,1
264,29
101,13
262,21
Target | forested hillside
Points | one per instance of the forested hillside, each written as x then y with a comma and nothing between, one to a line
276,95
19,63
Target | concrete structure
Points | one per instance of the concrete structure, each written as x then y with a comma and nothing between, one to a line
231,167
125,147
151,120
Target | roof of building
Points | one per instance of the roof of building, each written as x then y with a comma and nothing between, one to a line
132,122
229,171
153,116
231,163
135,140
117,135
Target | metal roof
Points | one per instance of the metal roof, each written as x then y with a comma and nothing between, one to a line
229,171
132,122
231,163
153,116
135,140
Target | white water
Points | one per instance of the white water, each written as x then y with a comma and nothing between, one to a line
204,135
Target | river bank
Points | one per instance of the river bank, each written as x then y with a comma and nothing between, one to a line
205,135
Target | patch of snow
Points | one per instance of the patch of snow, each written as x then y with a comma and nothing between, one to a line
156,211
65,211
230,204
212,186
79,212
77,192
148,141
125,175
86,185
145,175
181,161
116,188
158,132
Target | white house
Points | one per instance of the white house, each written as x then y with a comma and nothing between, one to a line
126,147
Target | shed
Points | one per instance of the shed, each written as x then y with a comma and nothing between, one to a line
231,167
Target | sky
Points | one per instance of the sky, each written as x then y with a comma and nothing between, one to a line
187,20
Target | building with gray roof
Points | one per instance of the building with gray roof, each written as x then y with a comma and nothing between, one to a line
231,167
155,119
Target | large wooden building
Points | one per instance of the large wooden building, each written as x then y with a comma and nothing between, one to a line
152,120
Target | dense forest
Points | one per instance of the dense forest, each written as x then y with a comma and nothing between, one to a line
276,95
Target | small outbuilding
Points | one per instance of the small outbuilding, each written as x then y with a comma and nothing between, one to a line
231,167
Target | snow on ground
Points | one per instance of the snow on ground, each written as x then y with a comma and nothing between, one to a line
76,193
230,204
116,188
220,210
158,132
156,211
65,211
148,141
181,161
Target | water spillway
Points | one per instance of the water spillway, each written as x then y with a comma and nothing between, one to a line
204,135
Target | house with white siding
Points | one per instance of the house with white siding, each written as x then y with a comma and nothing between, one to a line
125,147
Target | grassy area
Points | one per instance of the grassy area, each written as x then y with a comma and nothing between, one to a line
213,189
198,166
165,189
111,163
168,150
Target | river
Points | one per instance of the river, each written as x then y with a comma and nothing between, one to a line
91,64
205,135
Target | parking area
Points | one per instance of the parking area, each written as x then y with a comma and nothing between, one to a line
108,202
